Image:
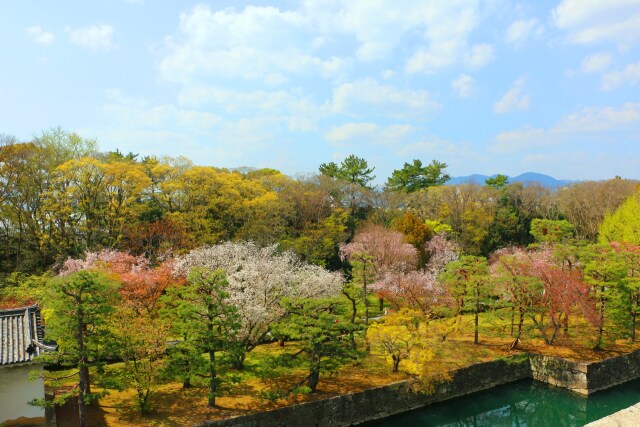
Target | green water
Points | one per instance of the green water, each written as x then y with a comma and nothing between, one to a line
524,403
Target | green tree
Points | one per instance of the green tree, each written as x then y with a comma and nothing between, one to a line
80,308
624,224
353,169
469,284
203,316
323,334
413,177
551,231
629,300
605,270
498,181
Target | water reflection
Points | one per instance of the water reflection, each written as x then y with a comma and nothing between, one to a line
524,403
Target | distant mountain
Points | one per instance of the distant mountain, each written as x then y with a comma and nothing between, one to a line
525,178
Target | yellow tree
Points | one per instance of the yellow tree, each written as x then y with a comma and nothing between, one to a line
624,224
400,335
124,184
76,204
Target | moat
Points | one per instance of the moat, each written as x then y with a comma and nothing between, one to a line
523,403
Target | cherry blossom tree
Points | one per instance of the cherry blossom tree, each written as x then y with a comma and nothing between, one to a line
141,283
376,251
564,290
523,293
259,279
419,289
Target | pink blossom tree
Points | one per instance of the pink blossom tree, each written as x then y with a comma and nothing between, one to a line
374,252
419,289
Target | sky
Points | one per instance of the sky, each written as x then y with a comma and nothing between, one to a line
487,87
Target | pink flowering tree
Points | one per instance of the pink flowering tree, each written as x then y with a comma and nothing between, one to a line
510,269
552,288
375,252
141,283
419,289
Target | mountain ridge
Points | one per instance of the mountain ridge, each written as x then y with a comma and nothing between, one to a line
526,178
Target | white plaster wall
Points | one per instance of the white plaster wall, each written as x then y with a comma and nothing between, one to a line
16,391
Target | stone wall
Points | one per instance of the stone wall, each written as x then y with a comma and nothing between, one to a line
560,372
384,401
586,377
613,371
355,408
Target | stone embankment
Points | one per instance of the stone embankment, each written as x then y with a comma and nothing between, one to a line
355,408
585,377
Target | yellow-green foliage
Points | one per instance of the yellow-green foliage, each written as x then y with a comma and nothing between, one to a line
404,337
624,224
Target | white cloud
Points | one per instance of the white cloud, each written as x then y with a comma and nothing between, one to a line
253,43
380,26
463,86
601,123
349,131
38,35
388,74
519,139
600,119
522,30
94,37
368,97
513,100
299,112
629,75
368,133
459,156
256,41
596,63
595,21
479,55
437,57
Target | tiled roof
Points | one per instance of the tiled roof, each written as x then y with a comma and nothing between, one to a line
19,328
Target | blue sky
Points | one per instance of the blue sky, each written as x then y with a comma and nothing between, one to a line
486,86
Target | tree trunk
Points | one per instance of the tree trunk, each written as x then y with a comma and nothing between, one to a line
475,333
513,314
237,361
314,371
366,303
396,362
83,375
601,323
633,317
354,311
82,387
213,388
516,341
